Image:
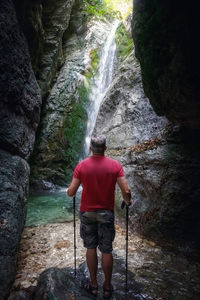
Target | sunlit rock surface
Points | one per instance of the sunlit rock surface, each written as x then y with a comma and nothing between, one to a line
19,116
161,165
63,124
127,119
154,271
125,116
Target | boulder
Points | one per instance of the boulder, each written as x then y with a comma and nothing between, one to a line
14,177
59,284
54,283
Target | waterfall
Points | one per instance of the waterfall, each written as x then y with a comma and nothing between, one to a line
101,83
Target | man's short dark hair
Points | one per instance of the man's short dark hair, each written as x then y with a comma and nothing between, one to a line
98,144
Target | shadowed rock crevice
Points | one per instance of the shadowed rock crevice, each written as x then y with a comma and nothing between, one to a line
164,34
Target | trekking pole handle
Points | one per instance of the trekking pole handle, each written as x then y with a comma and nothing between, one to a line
123,204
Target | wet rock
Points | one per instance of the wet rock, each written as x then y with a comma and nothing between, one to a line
56,284
63,125
61,284
42,185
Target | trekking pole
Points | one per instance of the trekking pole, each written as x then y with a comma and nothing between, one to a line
74,207
122,206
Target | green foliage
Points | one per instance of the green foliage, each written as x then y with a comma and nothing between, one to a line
108,8
76,122
99,8
124,42
91,72
65,145
74,130
95,60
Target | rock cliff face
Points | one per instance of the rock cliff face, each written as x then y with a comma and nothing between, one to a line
161,166
63,125
161,159
44,24
164,34
19,117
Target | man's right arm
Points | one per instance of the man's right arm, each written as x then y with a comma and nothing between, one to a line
125,189
73,187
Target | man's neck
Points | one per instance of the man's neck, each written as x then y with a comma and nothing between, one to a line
98,154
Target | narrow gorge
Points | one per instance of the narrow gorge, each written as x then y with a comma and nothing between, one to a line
73,68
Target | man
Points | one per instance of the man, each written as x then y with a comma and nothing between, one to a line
98,175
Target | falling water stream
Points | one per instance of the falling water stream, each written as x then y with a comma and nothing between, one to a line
56,206
101,83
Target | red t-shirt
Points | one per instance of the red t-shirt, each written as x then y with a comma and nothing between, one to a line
98,175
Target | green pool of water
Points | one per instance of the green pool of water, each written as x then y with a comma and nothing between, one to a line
50,207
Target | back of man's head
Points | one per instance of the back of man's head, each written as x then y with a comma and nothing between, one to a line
98,144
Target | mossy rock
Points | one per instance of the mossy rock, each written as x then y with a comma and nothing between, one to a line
73,131
124,42
63,146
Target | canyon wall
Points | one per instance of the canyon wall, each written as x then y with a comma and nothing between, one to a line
161,167
164,34
44,24
19,116
60,140
160,157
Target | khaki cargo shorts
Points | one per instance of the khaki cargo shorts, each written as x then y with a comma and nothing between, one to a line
97,229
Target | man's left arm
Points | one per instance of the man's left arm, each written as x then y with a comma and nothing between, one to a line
125,189
73,187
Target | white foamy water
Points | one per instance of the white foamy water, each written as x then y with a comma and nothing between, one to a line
101,83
